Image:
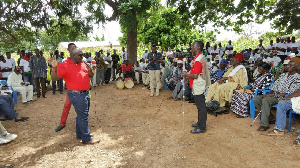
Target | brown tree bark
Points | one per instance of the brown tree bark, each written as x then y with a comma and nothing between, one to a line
132,39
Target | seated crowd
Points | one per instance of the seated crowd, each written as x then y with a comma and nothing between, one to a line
233,78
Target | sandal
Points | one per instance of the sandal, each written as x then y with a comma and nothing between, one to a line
239,116
275,132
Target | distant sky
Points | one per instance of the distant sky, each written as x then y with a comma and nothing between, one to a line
112,30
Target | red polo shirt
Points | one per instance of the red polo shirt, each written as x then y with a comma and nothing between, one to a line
75,75
126,68
195,69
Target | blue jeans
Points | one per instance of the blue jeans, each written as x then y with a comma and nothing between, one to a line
7,107
282,108
81,103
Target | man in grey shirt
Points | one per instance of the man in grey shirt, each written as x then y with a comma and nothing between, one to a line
38,66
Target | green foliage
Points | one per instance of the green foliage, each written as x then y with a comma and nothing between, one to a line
284,14
20,20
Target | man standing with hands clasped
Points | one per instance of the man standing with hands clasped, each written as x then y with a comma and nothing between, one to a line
198,82
77,76
154,58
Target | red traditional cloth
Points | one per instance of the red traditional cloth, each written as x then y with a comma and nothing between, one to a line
195,69
239,57
26,58
126,68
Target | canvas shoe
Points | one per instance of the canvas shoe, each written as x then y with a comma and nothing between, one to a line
4,141
10,136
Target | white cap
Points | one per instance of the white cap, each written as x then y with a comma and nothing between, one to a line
179,62
292,55
146,49
26,51
285,62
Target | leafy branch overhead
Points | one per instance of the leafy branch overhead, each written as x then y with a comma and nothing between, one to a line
284,14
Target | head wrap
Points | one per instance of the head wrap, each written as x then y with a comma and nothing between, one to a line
296,60
224,61
292,55
239,57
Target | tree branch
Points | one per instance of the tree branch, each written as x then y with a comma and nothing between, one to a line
3,29
114,6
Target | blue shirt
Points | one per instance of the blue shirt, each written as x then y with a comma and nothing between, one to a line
154,65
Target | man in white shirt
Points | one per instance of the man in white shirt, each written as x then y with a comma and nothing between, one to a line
255,55
221,50
214,52
24,65
15,80
293,47
261,48
145,77
108,60
5,67
274,61
229,48
123,55
145,54
11,60
281,49
138,70
170,53
270,46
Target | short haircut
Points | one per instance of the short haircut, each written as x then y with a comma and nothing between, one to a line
70,44
199,44
154,46
266,66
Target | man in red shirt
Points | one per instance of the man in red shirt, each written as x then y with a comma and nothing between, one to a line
77,76
68,104
198,85
127,69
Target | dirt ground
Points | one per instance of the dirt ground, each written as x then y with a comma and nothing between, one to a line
141,131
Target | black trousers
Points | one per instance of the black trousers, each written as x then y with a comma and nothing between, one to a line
107,75
202,111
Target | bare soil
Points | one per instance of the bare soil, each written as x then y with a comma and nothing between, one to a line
141,131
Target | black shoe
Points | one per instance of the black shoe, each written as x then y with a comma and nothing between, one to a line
38,96
44,96
195,125
53,93
61,93
197,131
192,101
60,127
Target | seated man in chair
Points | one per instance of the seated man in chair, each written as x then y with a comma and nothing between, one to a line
15,80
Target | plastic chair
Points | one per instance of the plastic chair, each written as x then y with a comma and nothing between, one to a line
166,85
251,103
15,94
292,113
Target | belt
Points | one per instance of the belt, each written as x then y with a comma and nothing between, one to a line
78,91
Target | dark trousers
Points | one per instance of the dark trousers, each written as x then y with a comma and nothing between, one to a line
107,75
188,92
60,83
40,82
202,111
81,103
7,107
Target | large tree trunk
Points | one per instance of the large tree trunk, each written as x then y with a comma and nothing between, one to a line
132,38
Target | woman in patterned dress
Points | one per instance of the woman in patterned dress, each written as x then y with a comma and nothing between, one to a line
240,100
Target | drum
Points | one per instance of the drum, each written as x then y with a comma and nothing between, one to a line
119,84
128,83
